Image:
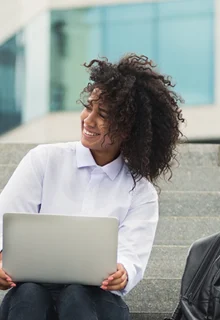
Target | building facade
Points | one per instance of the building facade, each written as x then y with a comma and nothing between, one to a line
42,52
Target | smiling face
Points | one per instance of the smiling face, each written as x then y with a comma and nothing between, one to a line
95,128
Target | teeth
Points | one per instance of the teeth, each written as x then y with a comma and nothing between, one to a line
90,133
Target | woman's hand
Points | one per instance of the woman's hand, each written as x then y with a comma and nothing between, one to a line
116,281
5,280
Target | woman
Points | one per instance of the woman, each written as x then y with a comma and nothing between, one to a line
130,128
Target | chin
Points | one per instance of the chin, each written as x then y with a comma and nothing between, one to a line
88,144
85,143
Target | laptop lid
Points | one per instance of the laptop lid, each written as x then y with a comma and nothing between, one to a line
59,249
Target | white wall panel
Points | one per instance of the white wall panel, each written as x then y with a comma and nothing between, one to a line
37,68
14,14
85,3
202,122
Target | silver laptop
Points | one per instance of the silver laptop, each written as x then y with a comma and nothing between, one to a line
59,249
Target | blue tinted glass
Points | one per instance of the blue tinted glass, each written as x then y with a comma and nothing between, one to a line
130,28
75,39
185,48
185,7
11,83
177,35
124,38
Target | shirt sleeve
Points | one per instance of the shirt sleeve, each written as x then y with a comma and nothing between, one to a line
23,190
136,234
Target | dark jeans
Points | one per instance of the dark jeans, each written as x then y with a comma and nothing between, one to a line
64,302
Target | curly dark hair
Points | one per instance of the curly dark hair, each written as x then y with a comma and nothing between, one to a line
142,108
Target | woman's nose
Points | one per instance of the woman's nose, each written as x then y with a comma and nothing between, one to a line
90,120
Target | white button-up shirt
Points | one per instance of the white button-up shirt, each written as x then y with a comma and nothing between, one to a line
64,179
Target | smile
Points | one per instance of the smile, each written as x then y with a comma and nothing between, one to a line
90,134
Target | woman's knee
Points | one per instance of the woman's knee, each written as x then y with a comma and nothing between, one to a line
31,296
31,292
108,305
74,292
27,298
74,295
75,303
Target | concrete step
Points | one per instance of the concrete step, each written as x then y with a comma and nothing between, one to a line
192,179
5,173
154,296
185,230
205,155
166,262
189,203
149,316
184,178
198,171
12,153
183,203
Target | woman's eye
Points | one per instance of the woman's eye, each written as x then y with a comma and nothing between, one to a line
103,116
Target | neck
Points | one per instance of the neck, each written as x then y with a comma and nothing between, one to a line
103,158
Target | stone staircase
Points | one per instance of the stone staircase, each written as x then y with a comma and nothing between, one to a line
189,209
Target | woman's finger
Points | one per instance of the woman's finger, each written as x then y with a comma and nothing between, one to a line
114,280
117,286
118,280
120,266
4,284
12,284
3,275
116,275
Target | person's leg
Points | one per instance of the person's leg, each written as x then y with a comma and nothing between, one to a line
27,301
75,303
5,305
54,290
108,305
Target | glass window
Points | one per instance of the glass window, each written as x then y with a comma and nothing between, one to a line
75,39
11,82
130,28
185,48
177,35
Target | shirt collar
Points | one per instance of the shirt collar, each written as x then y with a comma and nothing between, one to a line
84,159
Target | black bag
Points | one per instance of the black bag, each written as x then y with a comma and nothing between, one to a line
200,286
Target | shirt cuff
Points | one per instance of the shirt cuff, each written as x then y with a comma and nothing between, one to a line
131,271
